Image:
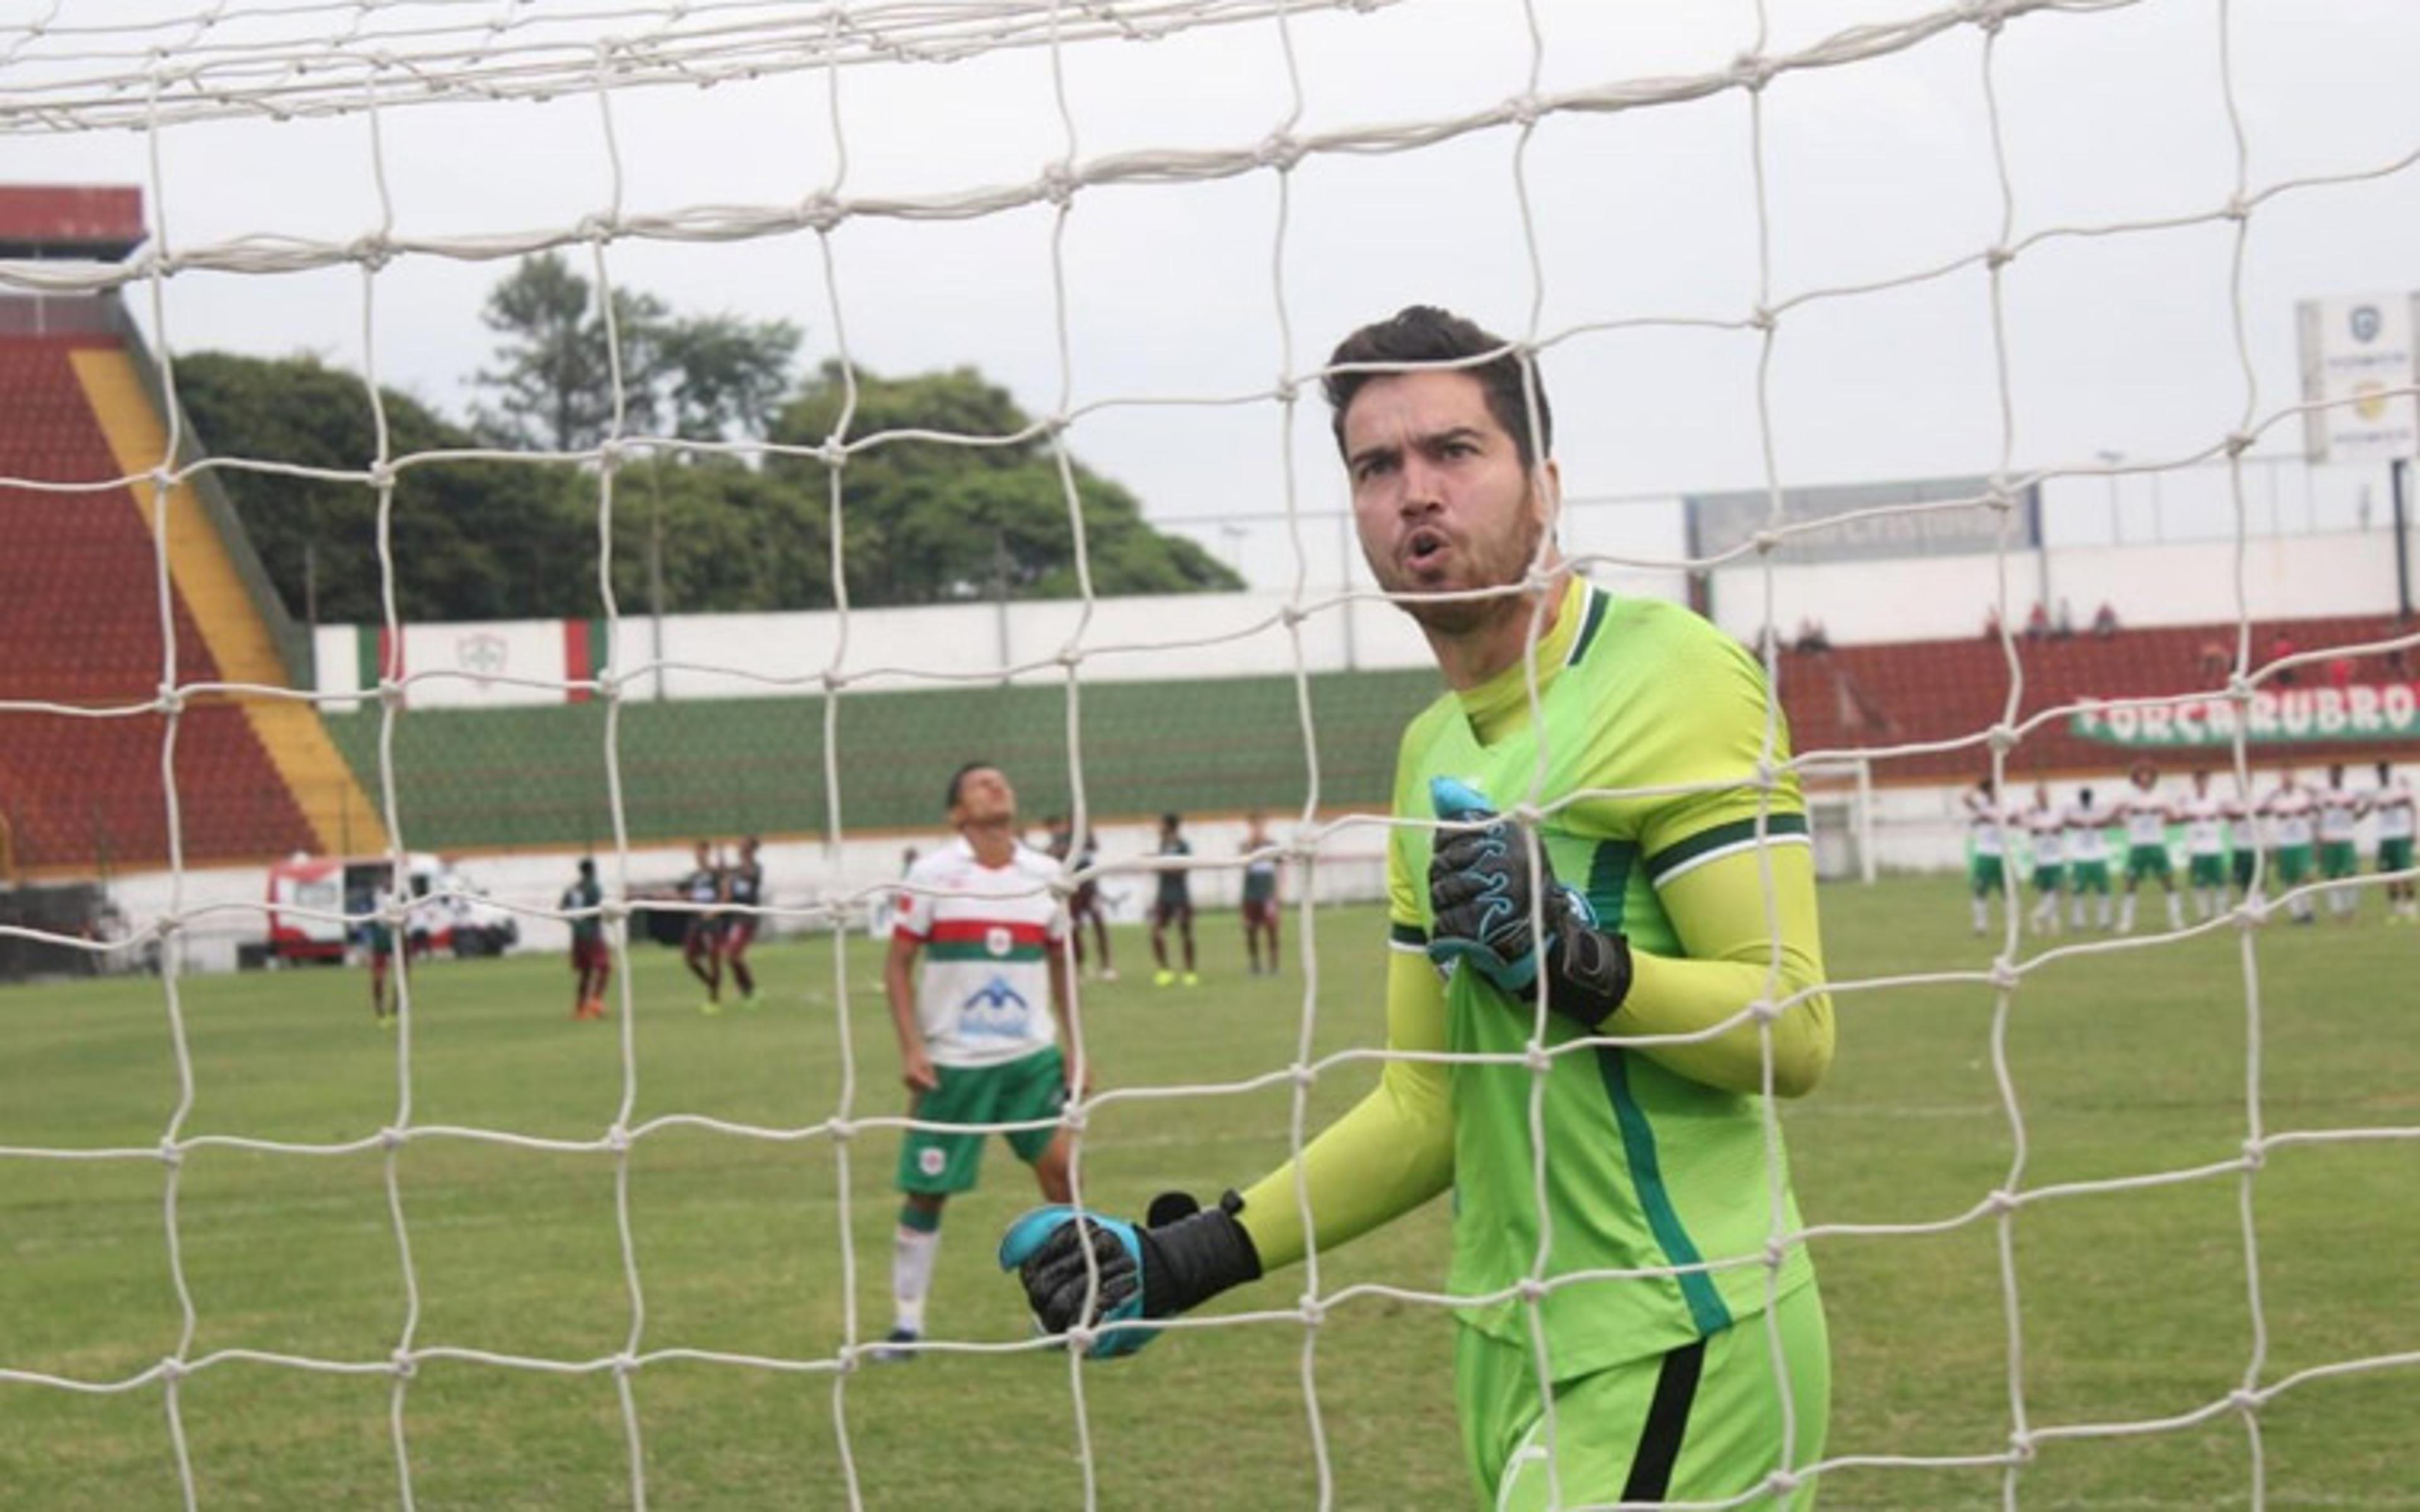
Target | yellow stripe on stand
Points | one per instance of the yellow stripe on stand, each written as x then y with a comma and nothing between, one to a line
323,785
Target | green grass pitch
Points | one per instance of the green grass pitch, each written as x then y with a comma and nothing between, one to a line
2134,1304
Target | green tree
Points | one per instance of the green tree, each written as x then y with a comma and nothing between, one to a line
471,540
923,522
932,521
703,378
730,538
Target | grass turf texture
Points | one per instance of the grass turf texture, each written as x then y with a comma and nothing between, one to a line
2134,1303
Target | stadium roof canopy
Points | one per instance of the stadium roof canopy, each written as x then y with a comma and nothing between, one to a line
101,223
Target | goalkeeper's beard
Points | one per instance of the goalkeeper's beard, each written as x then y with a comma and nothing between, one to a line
1459,618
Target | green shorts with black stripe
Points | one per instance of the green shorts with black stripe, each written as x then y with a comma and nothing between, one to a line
2088,876
1701,1424
2149,861
2395,855
2210,871
2244,860
2336,859
1023,1091
2050,877
1983,874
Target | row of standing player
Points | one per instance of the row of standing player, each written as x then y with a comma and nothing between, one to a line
1171,904
2311,831
721,892
716,939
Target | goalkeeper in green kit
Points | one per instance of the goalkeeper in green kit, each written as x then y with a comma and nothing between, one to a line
1654,921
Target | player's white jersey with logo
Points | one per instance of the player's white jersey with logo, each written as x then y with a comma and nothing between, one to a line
2146,817
2242,825
2048,827
2339,816
1986,823
2205,834
2086,839
987,935
2289,815
2394,803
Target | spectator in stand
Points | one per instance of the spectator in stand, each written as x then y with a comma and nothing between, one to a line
2340,670
2104,620
2062,625
1991,622
2037,622
2216,661
1812,637
2281,645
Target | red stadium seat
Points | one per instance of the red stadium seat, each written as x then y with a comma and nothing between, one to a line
80,615
1936,690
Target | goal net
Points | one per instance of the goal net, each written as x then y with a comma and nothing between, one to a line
2050,244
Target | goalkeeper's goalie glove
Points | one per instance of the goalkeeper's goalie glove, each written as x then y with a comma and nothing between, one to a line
1181,1256
1479,903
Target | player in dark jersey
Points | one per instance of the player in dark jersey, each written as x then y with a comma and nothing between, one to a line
378,934
1260,893
699,944
591,963
1085,901
743,885
1173,904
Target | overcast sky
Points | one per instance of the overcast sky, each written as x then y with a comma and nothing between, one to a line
1876,170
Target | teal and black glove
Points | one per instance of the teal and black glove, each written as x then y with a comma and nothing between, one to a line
1180,1257
1478,903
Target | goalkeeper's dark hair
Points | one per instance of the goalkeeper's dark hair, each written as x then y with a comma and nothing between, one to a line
1424,333
958,778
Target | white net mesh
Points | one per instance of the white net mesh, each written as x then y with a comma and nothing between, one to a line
169,71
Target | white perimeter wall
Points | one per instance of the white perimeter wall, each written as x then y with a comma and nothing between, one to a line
762,655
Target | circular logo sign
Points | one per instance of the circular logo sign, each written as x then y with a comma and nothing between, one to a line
997,940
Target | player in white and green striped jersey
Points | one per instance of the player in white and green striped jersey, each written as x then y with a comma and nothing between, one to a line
2146,815
2045,826
2392,801
2204,818
1664,848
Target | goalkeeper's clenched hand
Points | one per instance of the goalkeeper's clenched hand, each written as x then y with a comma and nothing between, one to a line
1184,1256
1479,914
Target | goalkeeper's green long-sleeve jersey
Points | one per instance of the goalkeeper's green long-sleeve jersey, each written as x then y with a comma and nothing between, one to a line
1656,1156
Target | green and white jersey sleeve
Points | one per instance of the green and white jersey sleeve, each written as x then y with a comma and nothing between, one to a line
1650,732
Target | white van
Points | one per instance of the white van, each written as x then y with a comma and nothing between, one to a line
464,926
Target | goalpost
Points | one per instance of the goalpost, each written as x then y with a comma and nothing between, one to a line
314,64
1839,795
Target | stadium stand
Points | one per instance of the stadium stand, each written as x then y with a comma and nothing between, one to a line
80,601
1861,697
